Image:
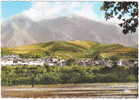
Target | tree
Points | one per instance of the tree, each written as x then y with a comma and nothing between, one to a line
125,11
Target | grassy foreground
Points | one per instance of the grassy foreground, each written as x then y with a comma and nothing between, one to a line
112,90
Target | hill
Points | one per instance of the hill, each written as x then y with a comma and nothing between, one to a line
112,50
72,49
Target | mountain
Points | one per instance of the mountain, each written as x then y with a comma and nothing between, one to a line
21,30
72,49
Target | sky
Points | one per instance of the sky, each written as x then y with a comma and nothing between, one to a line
49,10
10,9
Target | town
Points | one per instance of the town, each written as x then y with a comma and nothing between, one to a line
55,61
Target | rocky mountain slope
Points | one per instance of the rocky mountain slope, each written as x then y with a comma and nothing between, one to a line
21,30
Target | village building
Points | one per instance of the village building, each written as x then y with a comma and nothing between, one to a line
16,60
122,62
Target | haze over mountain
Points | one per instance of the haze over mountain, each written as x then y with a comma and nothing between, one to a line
21,30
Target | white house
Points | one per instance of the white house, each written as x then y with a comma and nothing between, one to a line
122,63
62,62
50,64
41,63
6,62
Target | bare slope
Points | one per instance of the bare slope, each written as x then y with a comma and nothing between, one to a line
21,30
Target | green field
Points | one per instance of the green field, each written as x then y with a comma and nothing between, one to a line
27,75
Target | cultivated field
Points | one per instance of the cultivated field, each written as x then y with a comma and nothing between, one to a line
94,90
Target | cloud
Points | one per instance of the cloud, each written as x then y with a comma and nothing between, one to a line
50,10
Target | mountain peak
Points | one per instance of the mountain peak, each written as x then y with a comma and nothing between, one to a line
64,29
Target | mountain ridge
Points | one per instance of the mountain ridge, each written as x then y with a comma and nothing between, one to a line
21,30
